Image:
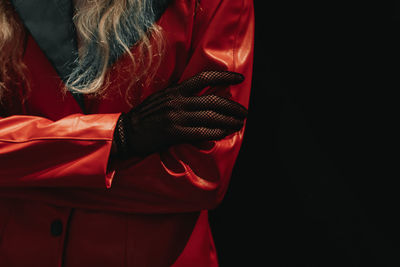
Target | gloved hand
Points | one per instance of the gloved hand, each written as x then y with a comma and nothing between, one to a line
175,115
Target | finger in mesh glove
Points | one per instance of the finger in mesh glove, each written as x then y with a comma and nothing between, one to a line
175,115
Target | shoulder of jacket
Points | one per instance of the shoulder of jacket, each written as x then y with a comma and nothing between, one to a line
210,4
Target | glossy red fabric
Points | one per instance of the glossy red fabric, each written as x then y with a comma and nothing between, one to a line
60,202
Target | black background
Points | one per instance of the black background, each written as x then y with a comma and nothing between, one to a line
316,181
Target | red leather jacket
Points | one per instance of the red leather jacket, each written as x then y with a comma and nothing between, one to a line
61,205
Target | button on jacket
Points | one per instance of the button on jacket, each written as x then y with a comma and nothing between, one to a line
60,202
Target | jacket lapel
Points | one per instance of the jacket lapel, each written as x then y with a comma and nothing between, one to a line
50,24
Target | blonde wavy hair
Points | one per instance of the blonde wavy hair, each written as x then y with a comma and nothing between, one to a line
105,30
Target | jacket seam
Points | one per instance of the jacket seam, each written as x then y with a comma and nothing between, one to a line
66,237
194,45
5,223
55,139
126,260
235,45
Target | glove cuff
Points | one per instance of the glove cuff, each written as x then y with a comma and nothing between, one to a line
121,137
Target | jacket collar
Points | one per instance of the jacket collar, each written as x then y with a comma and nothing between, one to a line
50,24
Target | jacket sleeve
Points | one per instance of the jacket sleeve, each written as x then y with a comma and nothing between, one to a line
185,177
70,152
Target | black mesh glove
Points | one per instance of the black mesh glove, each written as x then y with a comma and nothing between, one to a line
175,115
